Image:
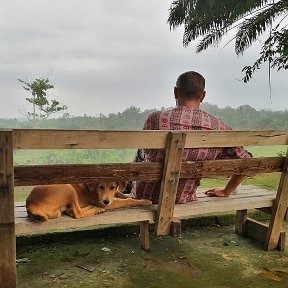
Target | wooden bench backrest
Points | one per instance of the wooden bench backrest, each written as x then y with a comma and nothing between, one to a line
90,139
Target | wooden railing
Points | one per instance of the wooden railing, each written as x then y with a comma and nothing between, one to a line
174,143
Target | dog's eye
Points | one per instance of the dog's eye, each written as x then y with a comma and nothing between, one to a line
112,187
101,187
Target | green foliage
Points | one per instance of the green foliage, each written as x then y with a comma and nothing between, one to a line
246,117
38,88
274,50
243,117
212,19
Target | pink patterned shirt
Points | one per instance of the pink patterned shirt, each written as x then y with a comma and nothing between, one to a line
183,118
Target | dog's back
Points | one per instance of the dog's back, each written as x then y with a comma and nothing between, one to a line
49,201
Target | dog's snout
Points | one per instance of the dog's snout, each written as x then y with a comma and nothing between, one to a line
106,201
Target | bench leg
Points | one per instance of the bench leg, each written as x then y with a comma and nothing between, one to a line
7,257
144,235
240,226
175,228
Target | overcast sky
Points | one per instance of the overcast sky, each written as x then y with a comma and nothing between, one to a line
106,55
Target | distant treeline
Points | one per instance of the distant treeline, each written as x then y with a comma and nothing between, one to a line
243,117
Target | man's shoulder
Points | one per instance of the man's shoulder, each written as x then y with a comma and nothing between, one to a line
215,121
158,113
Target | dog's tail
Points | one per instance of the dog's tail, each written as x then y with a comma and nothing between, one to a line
36,216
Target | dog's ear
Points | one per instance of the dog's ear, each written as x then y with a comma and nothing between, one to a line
92,186
121,186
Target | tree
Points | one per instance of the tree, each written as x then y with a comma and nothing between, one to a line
212,19
42,108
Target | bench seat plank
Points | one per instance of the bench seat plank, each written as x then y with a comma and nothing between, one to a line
250,197
135,214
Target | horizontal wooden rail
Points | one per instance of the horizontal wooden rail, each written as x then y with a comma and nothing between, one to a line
95,139
87,139
74,173
198,139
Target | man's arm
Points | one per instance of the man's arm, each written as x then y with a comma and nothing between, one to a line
231,185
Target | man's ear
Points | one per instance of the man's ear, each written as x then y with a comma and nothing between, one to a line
176,93
121,186
202,96
92,186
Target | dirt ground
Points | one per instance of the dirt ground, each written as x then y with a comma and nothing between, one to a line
205,256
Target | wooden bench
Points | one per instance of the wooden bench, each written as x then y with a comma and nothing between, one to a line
166,215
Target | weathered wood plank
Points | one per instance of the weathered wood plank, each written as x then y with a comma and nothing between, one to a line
202,138
75,173
7,227
224,168
128,215
169,183
221,205
279,210
94,139
87,139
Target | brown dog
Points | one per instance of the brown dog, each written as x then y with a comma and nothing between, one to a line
77,200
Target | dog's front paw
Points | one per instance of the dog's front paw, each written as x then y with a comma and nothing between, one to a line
99,210
145,202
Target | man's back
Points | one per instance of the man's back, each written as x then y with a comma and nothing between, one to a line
189,93
183,118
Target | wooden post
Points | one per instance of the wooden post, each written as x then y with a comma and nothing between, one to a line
144,235
170,180
7,220
279,210
175,228
240,226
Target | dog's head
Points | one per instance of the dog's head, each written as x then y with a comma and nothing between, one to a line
106,191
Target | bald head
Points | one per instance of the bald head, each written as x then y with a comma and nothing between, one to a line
190,85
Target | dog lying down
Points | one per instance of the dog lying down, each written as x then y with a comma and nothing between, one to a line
78,200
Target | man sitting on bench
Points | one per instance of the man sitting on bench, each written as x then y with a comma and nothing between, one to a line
187,115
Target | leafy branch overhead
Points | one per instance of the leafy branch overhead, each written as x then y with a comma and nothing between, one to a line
213,19
42,107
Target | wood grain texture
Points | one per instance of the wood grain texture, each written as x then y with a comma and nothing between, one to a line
87,139
7,227
95,139
169,183
75,173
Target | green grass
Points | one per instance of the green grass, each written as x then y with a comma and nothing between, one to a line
267,181
267,151
21,193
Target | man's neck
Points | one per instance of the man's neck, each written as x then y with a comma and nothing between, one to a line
189,104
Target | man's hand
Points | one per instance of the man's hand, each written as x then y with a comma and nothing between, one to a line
217,192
